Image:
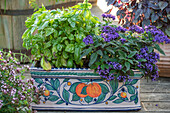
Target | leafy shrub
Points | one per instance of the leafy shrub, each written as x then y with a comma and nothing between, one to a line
144,12
15,94
56,36
117,51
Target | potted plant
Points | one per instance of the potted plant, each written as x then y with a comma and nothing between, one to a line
93,64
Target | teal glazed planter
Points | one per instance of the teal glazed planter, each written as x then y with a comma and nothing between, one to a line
81,89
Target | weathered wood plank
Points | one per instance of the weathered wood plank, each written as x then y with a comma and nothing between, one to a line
164,63
156,106
7,5
18,30
164,88
19,4
6,32
160,80
155,97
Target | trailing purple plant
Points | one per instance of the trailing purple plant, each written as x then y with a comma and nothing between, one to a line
16,95
117,51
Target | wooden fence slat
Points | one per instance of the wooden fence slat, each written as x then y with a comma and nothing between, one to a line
6,32
18,30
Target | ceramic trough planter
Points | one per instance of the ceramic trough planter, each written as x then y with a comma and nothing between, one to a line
81,89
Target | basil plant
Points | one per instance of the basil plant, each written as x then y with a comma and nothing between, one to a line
55,37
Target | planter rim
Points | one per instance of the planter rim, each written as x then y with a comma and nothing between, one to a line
82,73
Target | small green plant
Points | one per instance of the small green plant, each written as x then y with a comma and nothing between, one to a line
56,36
16,95
34,4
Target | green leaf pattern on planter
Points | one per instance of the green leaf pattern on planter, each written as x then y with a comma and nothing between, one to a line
66,92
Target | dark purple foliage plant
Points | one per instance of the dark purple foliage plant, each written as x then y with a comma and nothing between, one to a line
143,13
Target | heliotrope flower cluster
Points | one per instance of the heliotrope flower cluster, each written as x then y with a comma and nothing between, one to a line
14,91
121,29
115,65
106,72
150,64
124,78
159,36
88,40
136,28
109,33
108,16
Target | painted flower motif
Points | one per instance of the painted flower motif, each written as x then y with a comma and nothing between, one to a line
46,93
123,94
69,83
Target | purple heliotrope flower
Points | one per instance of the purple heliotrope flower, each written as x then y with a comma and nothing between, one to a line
150,64
136,28
113,17
122,40
115,65
122,29
88,40
104,15
105,73
108,16
109,33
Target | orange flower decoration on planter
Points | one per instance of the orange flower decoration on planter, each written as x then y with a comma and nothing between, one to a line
123,95
46,93
94,90
79,90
